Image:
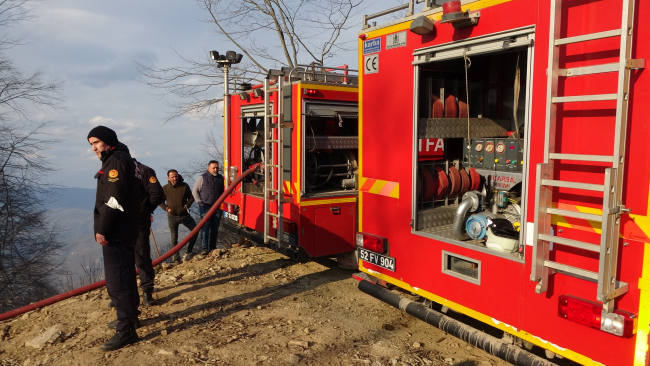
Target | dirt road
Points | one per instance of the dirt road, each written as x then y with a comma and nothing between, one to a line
243,307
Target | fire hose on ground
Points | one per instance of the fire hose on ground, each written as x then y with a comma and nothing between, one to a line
96,285
464,332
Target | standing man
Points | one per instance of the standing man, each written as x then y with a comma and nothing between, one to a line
116,216
152,196
179,199
207,189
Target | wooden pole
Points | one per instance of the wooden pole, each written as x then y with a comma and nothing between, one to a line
154,242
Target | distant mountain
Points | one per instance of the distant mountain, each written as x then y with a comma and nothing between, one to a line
70,212
57,198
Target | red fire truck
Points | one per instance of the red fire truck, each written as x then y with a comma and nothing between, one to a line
534,215
301,124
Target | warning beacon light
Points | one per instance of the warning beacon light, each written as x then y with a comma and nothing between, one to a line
452,13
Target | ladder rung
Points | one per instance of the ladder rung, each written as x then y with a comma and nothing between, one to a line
570,243
584,98
580,157
272,141
575,185
271,90
271,115
588,70
574,214
573,270
272,238
272,166
272,214
272,190
588,37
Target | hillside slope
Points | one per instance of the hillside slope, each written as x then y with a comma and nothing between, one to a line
240,307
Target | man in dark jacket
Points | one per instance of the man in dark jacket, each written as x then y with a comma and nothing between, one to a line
206,191
178,196
117,211
152,196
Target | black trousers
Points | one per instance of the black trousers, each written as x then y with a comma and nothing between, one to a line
119,260
143,257
188,222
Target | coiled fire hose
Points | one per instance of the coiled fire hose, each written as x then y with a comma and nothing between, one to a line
102,283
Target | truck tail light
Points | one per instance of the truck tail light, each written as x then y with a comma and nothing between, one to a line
310,91
590,314
229,207
371,242
288,226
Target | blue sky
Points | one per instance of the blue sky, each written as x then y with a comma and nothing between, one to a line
92,46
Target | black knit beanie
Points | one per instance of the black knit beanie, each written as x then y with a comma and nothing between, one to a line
105,134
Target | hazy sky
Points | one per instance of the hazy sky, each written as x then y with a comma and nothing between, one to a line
92,46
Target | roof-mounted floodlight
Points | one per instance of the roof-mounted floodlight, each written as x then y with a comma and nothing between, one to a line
214,55
422,25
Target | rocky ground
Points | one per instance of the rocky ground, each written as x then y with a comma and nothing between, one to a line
239,307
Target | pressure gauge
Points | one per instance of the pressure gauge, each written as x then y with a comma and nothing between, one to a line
489,147
501,148
478,147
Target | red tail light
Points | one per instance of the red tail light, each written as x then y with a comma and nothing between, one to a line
589,313
229,207
371,242
311,91
288,226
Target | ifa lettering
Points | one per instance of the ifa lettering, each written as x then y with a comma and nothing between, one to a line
431,149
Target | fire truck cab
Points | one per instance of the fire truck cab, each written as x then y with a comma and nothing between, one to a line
301,124
514,136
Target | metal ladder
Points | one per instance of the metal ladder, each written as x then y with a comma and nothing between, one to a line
608,286
273,159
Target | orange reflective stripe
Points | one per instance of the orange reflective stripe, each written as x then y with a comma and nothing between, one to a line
367,184
380,187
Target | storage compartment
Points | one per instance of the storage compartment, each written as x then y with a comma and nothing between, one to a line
334,229
253,151
477,118
330,149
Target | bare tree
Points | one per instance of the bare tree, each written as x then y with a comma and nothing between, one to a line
270,33
210,149
91,272
27,243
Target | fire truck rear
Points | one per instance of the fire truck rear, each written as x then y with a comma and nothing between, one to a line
301,125
503,149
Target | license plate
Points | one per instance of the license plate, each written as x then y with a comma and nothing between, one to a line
376,259
230,216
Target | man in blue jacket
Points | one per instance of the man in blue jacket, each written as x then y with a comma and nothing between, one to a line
207,189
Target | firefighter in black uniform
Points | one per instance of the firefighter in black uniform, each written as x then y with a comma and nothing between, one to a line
152,196
117,212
